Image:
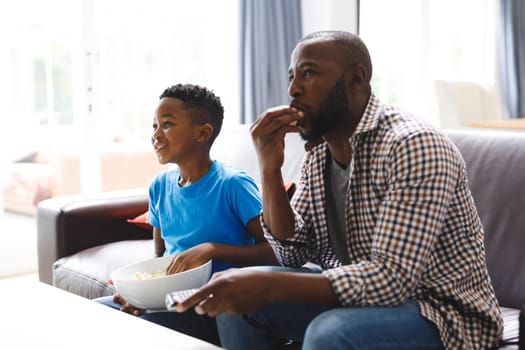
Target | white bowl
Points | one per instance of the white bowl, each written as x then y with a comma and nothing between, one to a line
151,293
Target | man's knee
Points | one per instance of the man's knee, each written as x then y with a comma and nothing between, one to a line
327,331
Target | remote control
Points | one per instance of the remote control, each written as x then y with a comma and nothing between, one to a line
178,296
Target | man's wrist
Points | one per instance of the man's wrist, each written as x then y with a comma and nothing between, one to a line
270,173
273,294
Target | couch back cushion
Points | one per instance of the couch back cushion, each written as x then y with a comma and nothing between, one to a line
234,147
496,170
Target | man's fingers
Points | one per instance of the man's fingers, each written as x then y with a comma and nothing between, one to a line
287,119
218,274
215,305
194,300
279,108
277,111
280,114
207,306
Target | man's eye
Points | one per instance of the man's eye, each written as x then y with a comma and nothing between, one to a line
154,126
290,78
308,73
167,124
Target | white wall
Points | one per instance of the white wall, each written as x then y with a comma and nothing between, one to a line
329,15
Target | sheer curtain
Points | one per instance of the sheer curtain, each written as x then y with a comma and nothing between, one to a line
269,31
512,59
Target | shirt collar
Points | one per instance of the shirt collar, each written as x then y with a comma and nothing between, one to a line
370,118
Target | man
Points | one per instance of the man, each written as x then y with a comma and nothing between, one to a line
383,207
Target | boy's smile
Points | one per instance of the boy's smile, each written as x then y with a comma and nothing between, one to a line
174,132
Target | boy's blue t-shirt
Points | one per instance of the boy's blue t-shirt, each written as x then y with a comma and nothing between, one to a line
215,209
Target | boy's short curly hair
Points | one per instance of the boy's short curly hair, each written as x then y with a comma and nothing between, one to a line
203,104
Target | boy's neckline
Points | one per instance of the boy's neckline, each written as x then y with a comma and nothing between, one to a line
191,181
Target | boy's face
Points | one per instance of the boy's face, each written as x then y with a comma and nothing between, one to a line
175,135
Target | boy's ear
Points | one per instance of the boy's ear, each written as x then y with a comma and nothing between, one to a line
205,132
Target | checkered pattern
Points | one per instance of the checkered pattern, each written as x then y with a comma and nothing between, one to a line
413,231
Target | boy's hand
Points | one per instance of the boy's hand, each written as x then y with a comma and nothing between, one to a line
191,258
126,307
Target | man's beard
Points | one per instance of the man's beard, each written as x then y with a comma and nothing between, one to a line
331,112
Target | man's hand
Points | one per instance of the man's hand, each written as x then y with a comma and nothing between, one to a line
191,258
126,307
238,291
268,133
234,291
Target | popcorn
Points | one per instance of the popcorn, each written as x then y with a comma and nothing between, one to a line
148,276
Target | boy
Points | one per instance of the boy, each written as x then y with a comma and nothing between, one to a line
203,209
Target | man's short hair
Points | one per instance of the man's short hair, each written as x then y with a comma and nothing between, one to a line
353,49
203,105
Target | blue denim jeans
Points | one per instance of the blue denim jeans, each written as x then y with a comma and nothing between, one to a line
400,327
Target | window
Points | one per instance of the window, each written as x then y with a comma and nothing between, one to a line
415,42
37,48
83,73
155,44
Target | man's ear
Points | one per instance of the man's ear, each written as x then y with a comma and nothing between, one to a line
356,76
205,132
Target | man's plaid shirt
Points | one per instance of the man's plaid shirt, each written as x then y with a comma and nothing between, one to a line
412,228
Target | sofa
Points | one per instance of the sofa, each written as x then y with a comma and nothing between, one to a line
81,239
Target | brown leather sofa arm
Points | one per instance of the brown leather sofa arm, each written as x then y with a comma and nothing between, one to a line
67,225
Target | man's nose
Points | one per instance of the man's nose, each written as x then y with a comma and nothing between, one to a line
294,88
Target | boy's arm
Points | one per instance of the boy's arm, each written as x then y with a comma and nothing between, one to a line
259,253
159,242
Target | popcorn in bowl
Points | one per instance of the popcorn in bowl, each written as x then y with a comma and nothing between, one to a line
148,276
145,284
